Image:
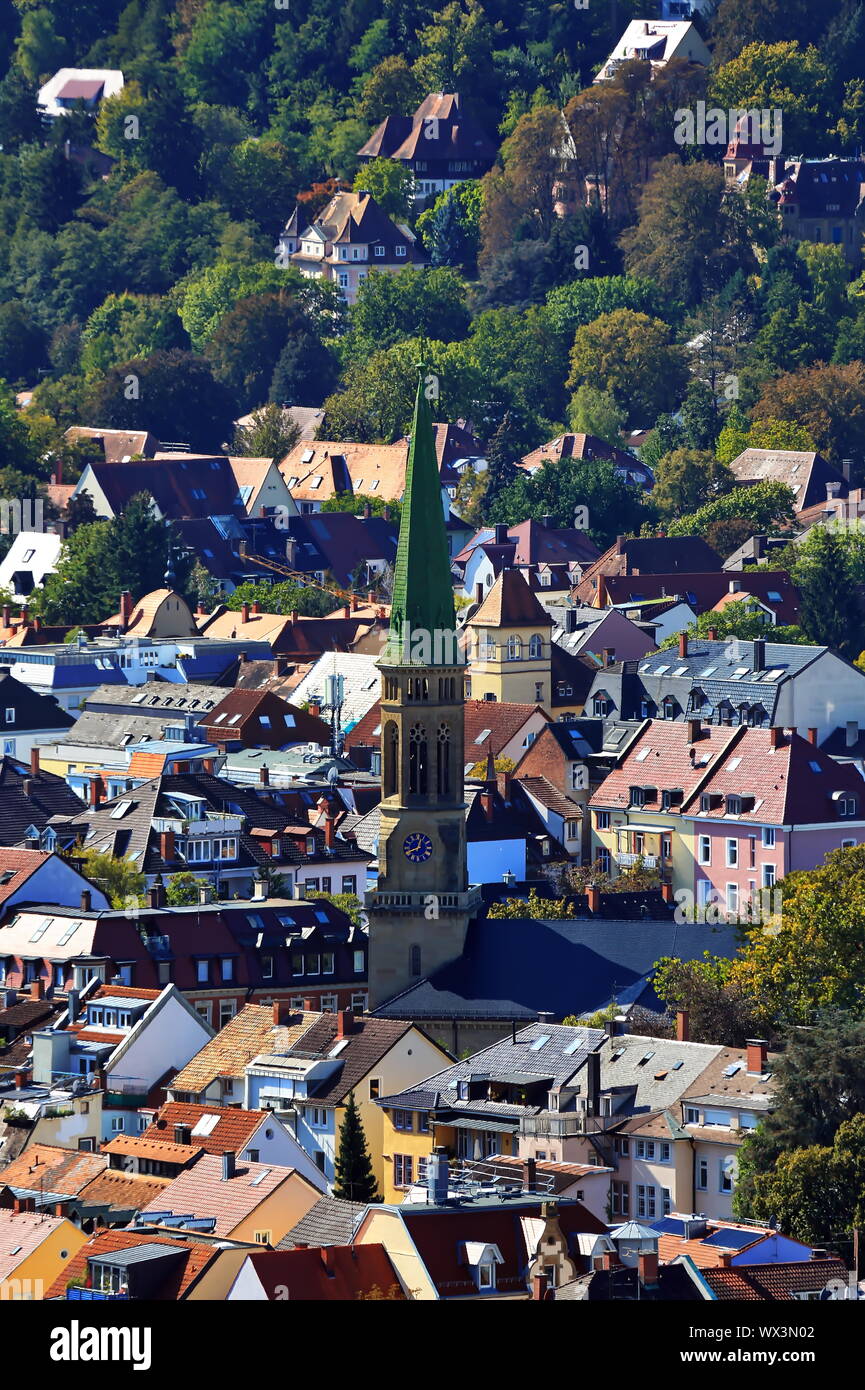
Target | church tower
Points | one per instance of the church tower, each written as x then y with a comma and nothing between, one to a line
420,909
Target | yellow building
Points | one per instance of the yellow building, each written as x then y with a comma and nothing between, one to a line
510,641
409,1137
34,1251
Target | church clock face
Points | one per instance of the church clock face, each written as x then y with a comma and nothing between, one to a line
417,847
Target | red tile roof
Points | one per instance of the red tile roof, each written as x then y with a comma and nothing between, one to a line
177,1281
231,1133
776,1283
204,1192
20,863
667,764
337,1273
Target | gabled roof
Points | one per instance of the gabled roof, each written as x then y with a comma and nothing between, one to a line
775,1283
806,473
338,1273
22,1233
331,1221
455,136
202,1191
370,1040
16,866
250,1032
47,1168
230,1134
661,760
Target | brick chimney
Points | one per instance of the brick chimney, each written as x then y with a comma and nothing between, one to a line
503,782
166,845
86,899
609,656
355,603
329,830
346,610
156,894
530,1174
487,804
125,610
758,1052
776,737
256,607
712,634
282,1012
667,892
310,1004
683,644
683,1025
37,989
593,897
695,730
25,615
34,762
208,765
344,1023
94,792
244,612
647,1266
315,708
264,776
812,736
539,1287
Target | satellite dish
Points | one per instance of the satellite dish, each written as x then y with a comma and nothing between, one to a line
333,774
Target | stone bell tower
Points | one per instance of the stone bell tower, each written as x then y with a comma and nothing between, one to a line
420,909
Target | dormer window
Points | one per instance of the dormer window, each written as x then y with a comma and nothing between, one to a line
638,796
482,1260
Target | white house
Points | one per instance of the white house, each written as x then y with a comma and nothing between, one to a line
31,556
68,86
656,41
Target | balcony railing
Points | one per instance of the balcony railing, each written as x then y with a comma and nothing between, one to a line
626,861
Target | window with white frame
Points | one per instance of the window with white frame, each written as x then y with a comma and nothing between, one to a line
602,820
692,1115
726,1173
403,1170
732,897
645,1199
704,849
702,1173
768,836
768,875
732,854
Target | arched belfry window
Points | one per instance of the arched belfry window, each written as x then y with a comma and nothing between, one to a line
443,774
418,760
390,744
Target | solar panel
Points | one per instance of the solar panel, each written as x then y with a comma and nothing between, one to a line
730,1239
669,1226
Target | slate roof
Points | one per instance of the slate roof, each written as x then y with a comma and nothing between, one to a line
43,797
647,1066
457,135
513,968
674,1285
531,543
369,1041
195,485
34,713
330,1222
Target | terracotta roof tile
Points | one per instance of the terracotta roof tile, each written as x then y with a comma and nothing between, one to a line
20,1234
251,1031
203,1191
177,1282
232,1132
339,1273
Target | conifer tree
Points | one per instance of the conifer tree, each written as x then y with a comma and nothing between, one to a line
355,1180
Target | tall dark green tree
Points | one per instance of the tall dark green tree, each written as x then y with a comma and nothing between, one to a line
355,1180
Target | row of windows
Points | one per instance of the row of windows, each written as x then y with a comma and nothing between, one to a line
419,688
410,1122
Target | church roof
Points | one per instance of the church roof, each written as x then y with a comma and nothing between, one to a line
422,598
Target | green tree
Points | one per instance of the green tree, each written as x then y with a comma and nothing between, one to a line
686,479
561,486
182,890
542,909
451,228
691,234
829,572
270,433
765,506
593,411
127,326
22,343
284,597
582,301
631,356
173,394
390,89
390,184
738,434
118,878
354,1179
771,76
413,303
826,401
356,503
720,1008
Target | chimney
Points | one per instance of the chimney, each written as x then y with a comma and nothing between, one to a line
7,614
329,830
25,615
776,737
547,522
346,610
94,792
34,762
695,730
125,610
256,607
344,1023
593,1083
812,736
758,1052
313,709
609,655
208,765
299,891
852,733
37,624
183,1134
683,644
667,892
501,533
295,615
205,894
593,897
200,609
683,1025
479,593
387,512
244,612
487,803
264,775
228,1165
22,1079
37,989
282,1013
72,1006
310,1004
530,1174
367,511
259,890
846,465
355,603
539,1287
759,658
156,893
503,782
647,1268
570,620
27,788
166,845
86,899
712,634
437,1176
609,1260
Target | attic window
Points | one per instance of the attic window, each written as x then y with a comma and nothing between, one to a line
647,1057
540,1042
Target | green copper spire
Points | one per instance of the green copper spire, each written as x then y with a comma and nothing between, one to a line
422,620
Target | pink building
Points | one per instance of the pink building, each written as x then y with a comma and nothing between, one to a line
772,802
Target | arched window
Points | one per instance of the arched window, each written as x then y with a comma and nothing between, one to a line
515,649
536,648
414,961
443,772
390,745
417,760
